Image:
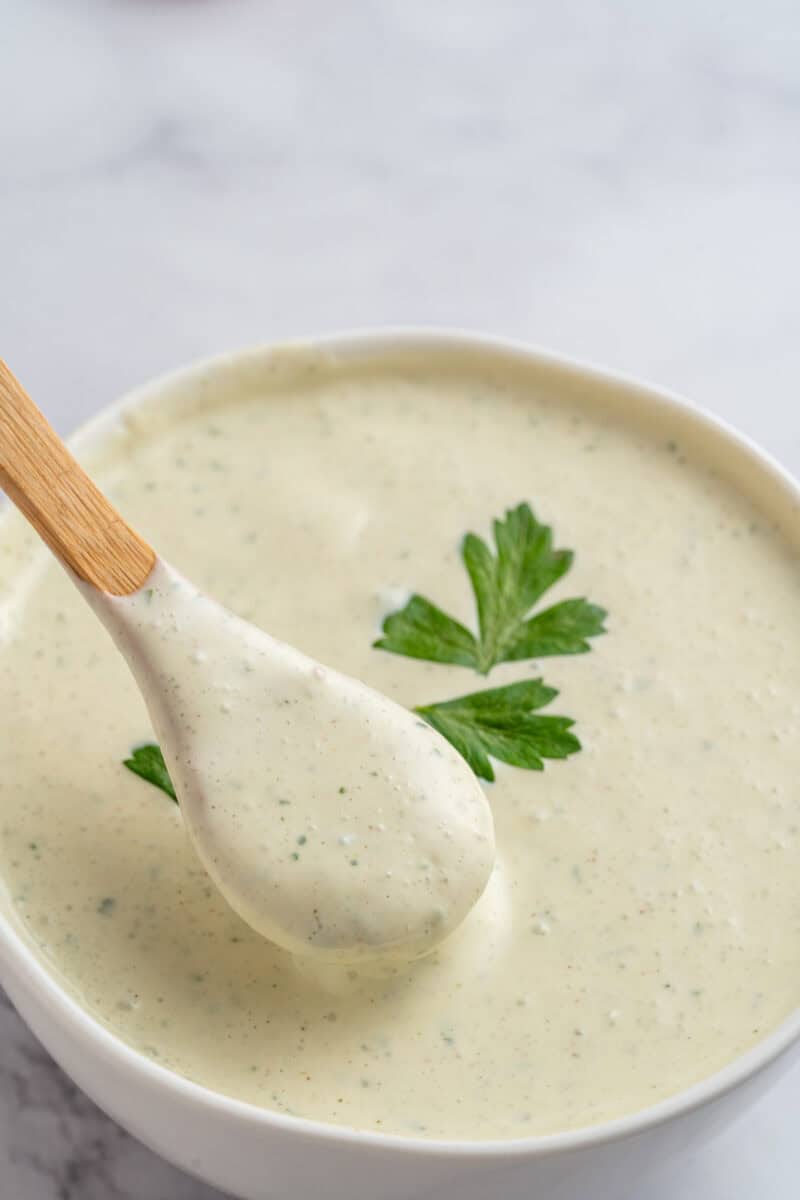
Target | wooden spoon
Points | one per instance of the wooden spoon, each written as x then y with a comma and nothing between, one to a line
59,499
333,821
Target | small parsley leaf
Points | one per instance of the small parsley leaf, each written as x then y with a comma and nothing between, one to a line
148,762
562,629
506,585
421,630
503,723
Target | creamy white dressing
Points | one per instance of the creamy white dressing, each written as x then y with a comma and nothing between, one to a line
334,821
642,926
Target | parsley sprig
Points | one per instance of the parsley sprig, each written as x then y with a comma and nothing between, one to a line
500,722
506,586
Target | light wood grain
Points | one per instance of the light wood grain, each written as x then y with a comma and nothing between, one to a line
59,499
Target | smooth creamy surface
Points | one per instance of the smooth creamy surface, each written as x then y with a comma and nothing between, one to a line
643,922
335,821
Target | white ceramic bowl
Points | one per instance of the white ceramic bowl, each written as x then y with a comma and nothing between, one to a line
259,1155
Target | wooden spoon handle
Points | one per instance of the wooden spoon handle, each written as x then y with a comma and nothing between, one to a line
59,499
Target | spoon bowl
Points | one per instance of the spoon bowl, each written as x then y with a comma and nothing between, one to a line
336,823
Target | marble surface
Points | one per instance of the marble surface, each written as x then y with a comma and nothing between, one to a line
616,180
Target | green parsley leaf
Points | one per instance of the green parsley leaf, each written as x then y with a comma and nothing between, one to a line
506,585
148,762
562,629
421,630
503,723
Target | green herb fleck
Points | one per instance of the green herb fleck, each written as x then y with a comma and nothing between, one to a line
503,723
506,585
148,762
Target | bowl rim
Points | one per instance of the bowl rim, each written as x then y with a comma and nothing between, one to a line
364,344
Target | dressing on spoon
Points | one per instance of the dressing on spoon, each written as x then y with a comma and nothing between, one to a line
334,821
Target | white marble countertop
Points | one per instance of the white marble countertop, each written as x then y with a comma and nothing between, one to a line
615,180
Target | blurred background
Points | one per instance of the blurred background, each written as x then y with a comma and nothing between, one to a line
618,181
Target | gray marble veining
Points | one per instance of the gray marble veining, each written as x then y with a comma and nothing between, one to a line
56,1145
617,180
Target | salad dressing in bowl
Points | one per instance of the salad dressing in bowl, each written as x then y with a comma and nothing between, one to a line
641,930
